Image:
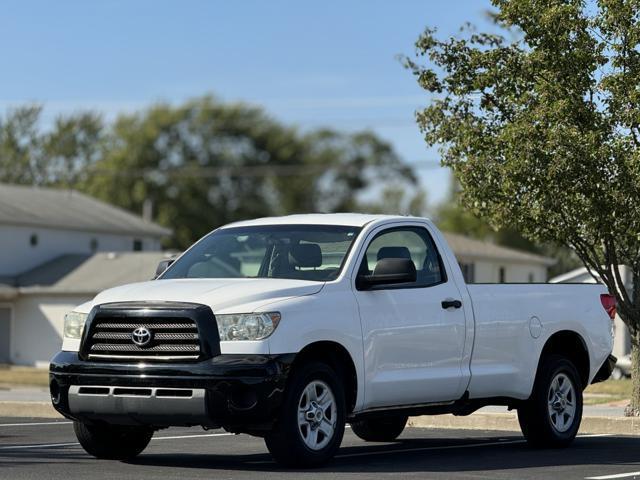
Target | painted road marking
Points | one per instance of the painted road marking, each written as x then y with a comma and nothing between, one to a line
177,437
617,475
71,444
42,445
32,424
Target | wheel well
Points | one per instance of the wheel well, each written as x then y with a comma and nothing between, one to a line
571,345
338,358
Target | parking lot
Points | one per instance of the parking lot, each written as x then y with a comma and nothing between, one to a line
37,449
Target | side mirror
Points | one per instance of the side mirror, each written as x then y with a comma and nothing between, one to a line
162,266
389,271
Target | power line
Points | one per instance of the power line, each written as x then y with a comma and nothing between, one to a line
252,171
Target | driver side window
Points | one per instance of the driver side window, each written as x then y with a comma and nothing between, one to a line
413,243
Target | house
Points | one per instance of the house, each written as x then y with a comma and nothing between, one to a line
35,309
45,236
622,339
485,262
40,224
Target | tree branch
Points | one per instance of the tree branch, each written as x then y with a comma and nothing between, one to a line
614,266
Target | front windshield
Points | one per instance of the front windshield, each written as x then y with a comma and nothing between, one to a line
303,252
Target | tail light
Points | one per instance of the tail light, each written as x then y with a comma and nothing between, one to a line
609,304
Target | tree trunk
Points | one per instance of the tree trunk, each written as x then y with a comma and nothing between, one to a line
633,410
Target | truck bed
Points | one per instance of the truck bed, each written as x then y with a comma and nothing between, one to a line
513,322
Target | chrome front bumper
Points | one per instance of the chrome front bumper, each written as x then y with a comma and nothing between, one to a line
137,405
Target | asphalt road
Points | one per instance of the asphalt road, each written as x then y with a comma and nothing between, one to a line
44,449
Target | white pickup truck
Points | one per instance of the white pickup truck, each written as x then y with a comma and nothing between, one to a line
288,328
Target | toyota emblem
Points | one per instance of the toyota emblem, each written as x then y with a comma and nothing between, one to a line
142,337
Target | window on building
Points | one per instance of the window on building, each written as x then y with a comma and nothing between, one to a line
33,240
93,244
502,275
468,272
137,245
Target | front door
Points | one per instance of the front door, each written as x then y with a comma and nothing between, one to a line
413,344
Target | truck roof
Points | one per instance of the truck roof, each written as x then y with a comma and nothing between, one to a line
346,219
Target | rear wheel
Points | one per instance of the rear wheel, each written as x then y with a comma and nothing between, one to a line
112,442
380,429
310,427
551,417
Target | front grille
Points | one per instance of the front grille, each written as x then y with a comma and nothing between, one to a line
112,338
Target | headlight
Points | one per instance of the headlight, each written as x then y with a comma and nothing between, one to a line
247,326
73,324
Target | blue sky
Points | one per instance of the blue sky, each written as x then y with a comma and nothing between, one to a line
323,63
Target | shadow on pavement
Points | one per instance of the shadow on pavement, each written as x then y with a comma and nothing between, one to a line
429,455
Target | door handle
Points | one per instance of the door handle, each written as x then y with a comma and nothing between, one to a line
449,303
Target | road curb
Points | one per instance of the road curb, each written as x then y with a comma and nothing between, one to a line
28,409
509,422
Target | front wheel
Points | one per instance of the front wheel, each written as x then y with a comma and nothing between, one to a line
310,427
551,417
112,442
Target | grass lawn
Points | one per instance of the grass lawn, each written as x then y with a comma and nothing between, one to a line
11,376
607,392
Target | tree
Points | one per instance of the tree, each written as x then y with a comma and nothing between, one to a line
396,199
541,126
207,163
201,164
74,143
452,216
58,156
21,159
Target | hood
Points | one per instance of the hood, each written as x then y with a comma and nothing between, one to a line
223,295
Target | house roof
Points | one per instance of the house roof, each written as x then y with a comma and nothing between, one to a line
69,209
579,275
477,249
91,274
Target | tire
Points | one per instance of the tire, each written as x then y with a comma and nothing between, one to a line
549,420
310,427
380,429
112,442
